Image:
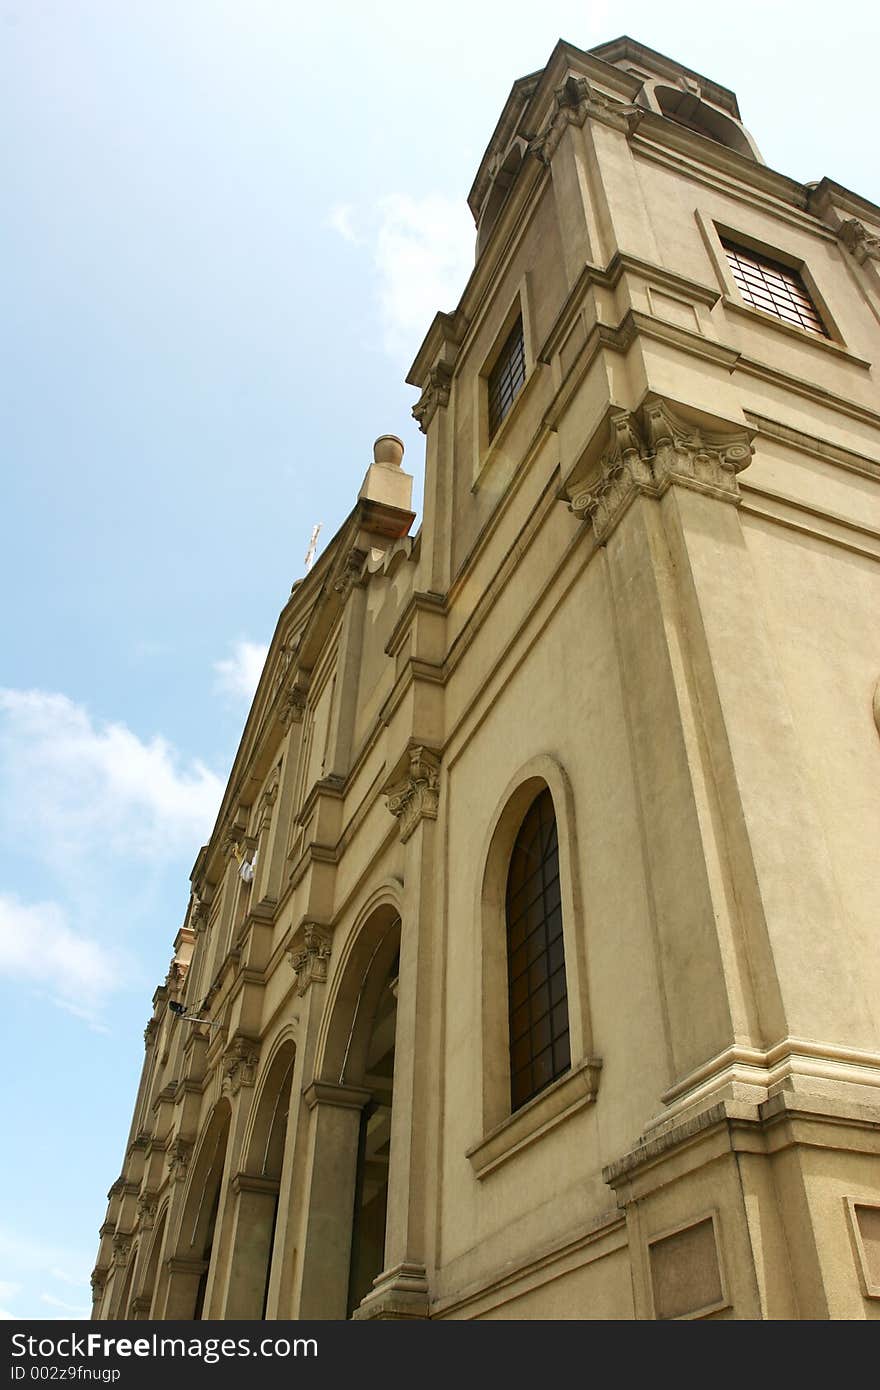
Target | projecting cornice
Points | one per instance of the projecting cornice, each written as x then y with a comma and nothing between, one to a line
646,452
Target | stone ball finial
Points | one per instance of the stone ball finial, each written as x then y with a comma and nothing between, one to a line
388,449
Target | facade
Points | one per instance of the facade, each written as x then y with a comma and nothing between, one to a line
531,969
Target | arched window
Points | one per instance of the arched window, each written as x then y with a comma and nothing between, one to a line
537,993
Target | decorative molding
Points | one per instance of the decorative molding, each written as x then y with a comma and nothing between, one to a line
139,1307
310,961
435,394
416,796
240,1063
860,243
99,1281
649,450
150,1032
179,1155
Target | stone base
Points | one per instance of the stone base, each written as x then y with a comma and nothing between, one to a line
401,1292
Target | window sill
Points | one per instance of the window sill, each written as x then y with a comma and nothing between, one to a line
572,1092
801,334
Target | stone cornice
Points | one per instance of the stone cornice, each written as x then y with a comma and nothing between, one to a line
649,450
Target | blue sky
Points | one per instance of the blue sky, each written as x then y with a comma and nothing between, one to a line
226,225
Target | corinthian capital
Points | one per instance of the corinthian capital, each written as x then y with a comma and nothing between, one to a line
649,450
415,796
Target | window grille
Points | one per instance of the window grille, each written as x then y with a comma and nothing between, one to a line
775,288
506,377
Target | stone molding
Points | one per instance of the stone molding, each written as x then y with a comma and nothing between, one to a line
179,1155
647,452
435,394
150,1032
98,1281
240,1063
310,960
416,796
861,244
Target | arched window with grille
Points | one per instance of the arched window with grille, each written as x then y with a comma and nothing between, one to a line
540,1050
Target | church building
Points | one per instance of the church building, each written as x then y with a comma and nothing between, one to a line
531,970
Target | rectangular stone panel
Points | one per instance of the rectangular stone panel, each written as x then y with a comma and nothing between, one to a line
685,1273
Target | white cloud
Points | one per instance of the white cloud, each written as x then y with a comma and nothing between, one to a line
93,791
38,946
424,254
53,1302
340,220
238,674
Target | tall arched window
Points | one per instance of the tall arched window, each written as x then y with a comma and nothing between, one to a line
537,994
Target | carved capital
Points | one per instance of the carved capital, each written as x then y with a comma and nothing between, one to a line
121,1249
310,961
574,101
435,394
198,916
267,802
146,1209
416,796
240,1063
99,1281
179,1154
293,705
861,243
646,453
150,1032
351,573
230,845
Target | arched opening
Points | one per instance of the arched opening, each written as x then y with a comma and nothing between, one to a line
257,1190
351,1104
533,921
123,1311
191,1265
374,1145
688,110
148,1285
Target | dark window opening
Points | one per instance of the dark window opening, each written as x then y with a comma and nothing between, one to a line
775,288
537,991
506,377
